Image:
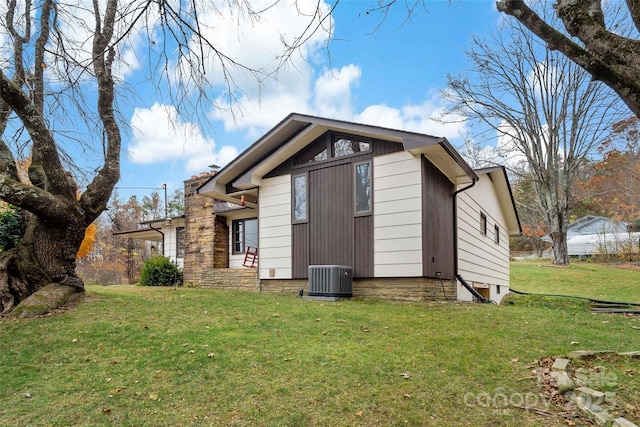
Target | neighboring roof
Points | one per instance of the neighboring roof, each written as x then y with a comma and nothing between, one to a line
498,176
595,224
141,234
297,131
592,225
148,233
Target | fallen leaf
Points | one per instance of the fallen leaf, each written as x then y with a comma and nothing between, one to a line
574,343
211,355
408,396
27,395
360,413
341,321
74,340
154,396
191,351
406,375
515,359
318,319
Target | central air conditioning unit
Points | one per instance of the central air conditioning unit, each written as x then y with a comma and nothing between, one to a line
330,281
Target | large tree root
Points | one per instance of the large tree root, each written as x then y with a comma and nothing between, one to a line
47,299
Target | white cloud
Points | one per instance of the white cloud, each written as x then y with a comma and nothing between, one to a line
413,117
160,136
332,92
258,44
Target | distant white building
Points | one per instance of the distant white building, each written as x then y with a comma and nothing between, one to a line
592,235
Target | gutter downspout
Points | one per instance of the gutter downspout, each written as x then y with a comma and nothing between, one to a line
162,234
455,227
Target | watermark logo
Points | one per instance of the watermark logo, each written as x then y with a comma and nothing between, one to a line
501,400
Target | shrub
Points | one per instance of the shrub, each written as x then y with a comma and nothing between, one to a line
10,229
159,271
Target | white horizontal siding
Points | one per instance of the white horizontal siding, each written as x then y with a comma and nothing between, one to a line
480,259
397,221
274,222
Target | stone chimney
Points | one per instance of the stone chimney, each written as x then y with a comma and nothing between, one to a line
199,229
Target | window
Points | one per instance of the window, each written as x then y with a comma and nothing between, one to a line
244,233
315,153
299,198
348,146
331,146
362,190
496,233
180,242
483,223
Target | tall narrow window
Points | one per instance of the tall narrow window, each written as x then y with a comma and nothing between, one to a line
244,233
362,188
180,242
299,198
496,233
483,223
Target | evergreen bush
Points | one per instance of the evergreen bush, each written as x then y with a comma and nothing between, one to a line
10,229
160,271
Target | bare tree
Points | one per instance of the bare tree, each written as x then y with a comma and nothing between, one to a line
548,114
61,72
591,39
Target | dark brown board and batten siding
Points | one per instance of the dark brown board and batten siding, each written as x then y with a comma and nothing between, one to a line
333,235
438,213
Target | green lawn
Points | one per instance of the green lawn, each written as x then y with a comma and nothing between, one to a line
599,281
154,356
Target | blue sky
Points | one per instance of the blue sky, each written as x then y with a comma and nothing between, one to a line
390,77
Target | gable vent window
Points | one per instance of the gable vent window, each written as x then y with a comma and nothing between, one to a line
483,223
347,147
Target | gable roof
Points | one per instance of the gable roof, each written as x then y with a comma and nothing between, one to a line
297,131
500,180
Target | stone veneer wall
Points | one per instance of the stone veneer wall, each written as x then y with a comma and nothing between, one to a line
237,279
199,229
410,288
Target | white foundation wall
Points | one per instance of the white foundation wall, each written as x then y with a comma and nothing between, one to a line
482,262
397,221
275,232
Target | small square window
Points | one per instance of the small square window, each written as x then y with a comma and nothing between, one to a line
483,223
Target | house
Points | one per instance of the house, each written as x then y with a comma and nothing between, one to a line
402,209
167,237
591,235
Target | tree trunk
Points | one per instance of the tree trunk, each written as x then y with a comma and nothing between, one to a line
45,256
560,252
